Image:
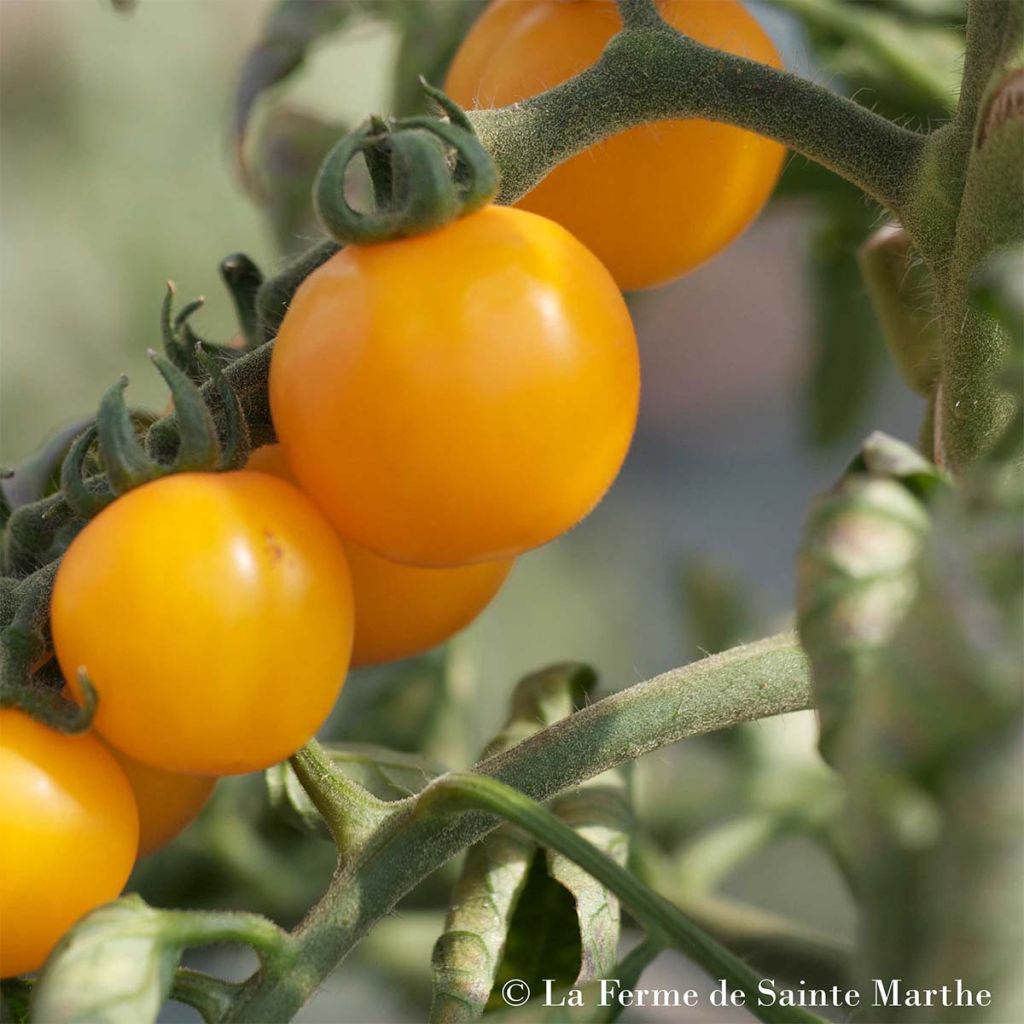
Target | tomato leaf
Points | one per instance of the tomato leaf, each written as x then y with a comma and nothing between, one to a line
495,872
599,811
114,967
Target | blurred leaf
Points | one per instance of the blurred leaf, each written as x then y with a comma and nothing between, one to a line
114,967
719,609
430,32
857,575
289,31
908,65
484,900
287,154
848,342
933,767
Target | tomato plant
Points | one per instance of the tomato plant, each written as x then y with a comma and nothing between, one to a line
401,610
450,375
652,202
70,832
459,396
257,587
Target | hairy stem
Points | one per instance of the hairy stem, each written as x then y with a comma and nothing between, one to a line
746,683
650,72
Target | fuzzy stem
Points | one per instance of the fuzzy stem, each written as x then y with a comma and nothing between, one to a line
766,678
650,72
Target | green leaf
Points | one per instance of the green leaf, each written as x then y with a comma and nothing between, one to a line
114,967
495,872
857,573
599,811
848,345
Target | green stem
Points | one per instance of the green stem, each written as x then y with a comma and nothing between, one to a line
352,813
663,921
212,997
650,72
629,971
769,677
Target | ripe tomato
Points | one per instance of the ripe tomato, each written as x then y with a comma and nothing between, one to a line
68,834
402,610
167,801
213,614
652,202
458,396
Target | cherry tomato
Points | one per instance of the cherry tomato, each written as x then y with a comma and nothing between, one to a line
213,614
402,610
652,202
68,834
458,396
167,801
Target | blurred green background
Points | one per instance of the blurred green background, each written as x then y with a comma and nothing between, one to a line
116,176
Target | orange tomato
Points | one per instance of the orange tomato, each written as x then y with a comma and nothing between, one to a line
402,610
68,834
652,202
213,614
459,396
167,801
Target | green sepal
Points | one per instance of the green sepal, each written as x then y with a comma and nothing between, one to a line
86,496
421,190
243,280
276,293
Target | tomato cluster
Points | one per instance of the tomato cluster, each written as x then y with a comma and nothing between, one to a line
442,402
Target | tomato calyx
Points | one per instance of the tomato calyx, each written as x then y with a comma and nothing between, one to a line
425,173
30,679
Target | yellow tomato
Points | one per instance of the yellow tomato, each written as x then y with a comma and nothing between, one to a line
402,610
213,614
459,396
68,834
167,801
652,202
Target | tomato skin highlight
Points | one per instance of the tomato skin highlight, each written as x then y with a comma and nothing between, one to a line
459,396
402,610
167,801
68,835
213,614
652,202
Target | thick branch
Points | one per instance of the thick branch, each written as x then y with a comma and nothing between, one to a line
755,681
652,72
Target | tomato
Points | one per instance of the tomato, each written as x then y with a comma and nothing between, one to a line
459,396
167,801
213,614
402,610
652,202
68,834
